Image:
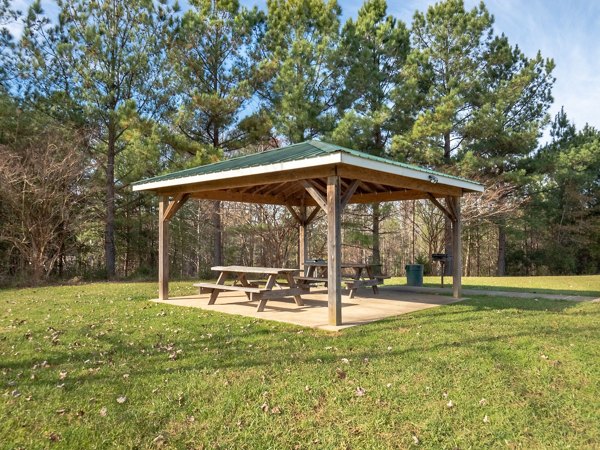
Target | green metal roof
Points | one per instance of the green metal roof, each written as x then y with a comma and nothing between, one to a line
295,152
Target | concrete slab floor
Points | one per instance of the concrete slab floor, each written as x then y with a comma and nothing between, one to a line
364,308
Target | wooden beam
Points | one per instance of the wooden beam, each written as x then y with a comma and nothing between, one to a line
350,190
302,237
294,214
163,249
456,250
398,181
312,215
441,207
315,194
334,251
175,205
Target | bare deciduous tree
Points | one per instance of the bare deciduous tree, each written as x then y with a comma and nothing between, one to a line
41,198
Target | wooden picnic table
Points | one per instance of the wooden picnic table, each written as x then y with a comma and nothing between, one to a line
363,275
254,289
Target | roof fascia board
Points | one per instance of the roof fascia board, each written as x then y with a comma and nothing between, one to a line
333,158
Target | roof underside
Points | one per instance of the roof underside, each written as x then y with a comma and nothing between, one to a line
286,175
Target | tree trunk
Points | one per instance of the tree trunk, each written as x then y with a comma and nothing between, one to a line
501,268
109,224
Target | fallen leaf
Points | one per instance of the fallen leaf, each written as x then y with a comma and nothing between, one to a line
159,440
121,399
62,374
483,402
340,374
265,407
276,410
345,361
103,411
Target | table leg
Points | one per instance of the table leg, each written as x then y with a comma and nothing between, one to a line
261,305
242,279
371,277
354,288
292,284
215,292
262,302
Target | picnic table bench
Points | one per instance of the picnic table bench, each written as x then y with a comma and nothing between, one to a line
254,289
363,275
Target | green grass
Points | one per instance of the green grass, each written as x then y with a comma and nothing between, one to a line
573,285
195,379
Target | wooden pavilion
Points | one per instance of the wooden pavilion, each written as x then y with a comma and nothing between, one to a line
306,178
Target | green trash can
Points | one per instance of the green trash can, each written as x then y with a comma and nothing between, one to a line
414,274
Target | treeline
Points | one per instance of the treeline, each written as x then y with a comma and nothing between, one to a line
114,91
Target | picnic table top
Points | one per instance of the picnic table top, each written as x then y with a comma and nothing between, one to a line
250,269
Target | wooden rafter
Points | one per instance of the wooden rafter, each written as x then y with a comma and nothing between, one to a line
397,181
365,187
240,197
391,196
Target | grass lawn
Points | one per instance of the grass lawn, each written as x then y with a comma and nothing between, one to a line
98,366
575,285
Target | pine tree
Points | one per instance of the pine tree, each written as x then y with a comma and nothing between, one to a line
301,77
215,81
482,102
106,59
373,51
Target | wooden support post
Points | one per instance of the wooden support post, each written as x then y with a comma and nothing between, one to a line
456,249
302,238
163,249
334,251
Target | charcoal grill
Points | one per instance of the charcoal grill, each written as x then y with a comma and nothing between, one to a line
443,259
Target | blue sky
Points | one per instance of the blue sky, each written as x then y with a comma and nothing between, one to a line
566,30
